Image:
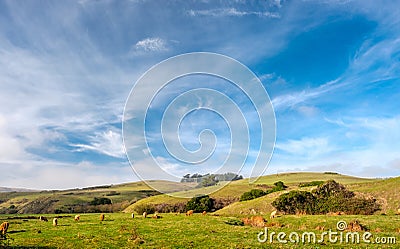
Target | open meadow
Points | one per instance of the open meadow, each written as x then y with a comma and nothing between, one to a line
119,230
222,228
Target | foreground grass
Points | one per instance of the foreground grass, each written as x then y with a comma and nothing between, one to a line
178,231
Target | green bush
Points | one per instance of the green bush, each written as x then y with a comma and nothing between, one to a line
252,194
256,193
295,202
200,203
278,186
329,197
100,201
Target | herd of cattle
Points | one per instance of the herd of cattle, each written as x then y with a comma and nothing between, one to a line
5,225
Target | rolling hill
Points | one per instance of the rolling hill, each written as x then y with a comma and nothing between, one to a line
79,200
126,197
237,188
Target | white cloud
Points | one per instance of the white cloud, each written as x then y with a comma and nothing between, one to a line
107,143
150,44
290,100
306,147
223,12
374,152
308,111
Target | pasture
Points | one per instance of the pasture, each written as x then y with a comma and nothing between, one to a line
119,230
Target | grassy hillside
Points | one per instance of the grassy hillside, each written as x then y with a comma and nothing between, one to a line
129,195
76,200
237,188
386,191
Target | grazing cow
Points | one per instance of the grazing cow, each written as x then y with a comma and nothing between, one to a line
42,218
3,228
102,216
144,214
77,217
133,215
189,213
55,221
204,213
156,216
273,215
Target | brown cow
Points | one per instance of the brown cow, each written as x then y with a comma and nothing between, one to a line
204,213
102,216
77,217
189,213
3,227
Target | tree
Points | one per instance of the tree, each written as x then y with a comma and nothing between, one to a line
200,203
206,181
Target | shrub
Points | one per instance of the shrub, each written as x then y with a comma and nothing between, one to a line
278,186
332,189
310,184
252,194
100,201
329,197
255,193
220,203
200,203
295,202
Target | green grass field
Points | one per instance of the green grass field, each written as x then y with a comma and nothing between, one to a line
119,230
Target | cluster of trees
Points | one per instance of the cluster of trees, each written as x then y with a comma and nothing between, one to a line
329,197
210,179
255,193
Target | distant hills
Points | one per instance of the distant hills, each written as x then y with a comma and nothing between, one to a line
125,197
5,190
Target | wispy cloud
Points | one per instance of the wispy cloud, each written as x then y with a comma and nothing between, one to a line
107,143
150,45
224,12
290,100
307,147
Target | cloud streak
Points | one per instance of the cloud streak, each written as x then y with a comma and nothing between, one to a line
233,12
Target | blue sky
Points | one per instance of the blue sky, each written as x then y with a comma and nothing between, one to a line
331,69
